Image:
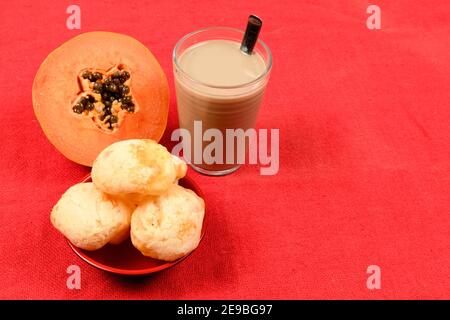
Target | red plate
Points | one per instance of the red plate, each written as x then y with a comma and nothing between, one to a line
124,259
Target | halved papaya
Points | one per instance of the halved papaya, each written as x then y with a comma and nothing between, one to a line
99,88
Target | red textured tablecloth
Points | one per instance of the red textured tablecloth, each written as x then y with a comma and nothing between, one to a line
364,176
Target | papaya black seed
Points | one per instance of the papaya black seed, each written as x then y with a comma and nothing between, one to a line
97,75
90,106
98,86
105,95
126,99
125,90
112,87
92,77
86,74
83,101
125,75
113,119
78,108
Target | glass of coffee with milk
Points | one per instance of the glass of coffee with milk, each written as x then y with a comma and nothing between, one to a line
220,77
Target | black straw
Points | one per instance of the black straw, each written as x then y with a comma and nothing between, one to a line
251,34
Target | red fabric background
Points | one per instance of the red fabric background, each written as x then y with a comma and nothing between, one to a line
364,174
